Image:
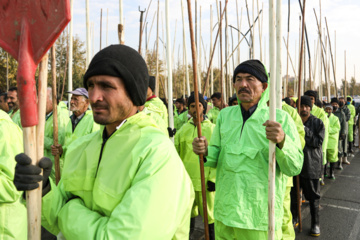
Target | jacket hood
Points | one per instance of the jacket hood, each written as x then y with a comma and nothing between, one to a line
350,98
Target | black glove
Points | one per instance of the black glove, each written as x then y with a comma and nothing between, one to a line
27,175
171,132
210,186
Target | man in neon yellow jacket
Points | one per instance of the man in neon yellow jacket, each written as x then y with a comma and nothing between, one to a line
287,226
63,120
151,98
214,112
13,103
332,149
239,150
155,113
320,113
178,113
183,144
3,102
125,181
81,122
13,222
351,123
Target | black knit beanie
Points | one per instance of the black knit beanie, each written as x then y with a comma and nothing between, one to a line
253,67
334,100
201,100
306,100
311,93
123,62
152,83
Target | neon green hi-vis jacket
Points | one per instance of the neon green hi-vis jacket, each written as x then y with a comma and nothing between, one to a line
213,114
352,111
137,188
183,144
63,120
333,144
240,153
351,121
13,222
287,227
162,108
320,113
16,117
155,113
298,122
181,120
84,127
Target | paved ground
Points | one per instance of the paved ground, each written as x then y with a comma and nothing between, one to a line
339,207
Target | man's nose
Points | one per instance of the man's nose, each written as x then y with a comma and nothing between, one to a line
95,94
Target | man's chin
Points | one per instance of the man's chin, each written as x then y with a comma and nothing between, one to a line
100,119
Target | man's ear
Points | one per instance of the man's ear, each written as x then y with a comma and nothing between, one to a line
265,85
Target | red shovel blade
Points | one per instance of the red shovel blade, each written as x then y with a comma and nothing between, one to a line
28,29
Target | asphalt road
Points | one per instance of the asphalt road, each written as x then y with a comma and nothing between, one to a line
339,207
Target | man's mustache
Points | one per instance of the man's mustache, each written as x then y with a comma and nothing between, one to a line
244,90
99,105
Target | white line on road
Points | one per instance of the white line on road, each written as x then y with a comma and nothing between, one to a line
340,207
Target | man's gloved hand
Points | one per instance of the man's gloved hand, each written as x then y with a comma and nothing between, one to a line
210,186
27,175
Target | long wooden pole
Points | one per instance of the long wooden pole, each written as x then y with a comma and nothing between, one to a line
332,59
7,71
169,68
107,26
291,62
226,54
299,103
211,51
55,116
140,29
260,31
157,51
238,26
70,62
121,23
253,32
185,52
278,55
322,55
222,85
88,39
198,124
346,85
308,50
335,61
287,56
212,55
100,28
34,148
272,117
251,51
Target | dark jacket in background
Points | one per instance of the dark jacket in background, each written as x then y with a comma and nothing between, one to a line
314,137
347,113
342,119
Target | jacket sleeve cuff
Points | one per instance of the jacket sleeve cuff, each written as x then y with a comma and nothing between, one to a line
212,157
289,158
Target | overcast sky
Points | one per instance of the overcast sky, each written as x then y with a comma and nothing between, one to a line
343,16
